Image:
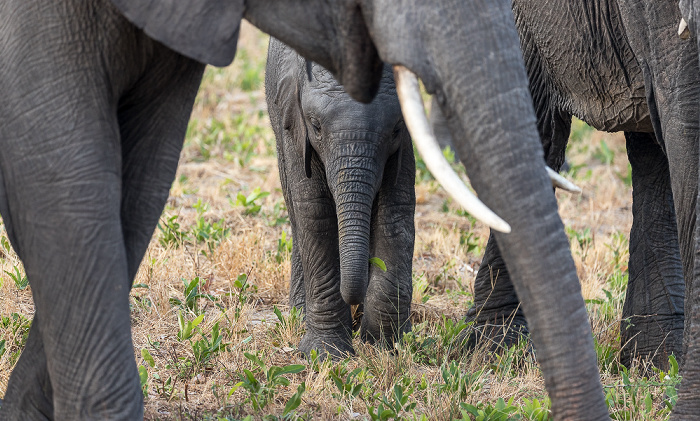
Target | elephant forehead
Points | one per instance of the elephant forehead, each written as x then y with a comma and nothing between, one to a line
322,79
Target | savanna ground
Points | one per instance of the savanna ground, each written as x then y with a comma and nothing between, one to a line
214,337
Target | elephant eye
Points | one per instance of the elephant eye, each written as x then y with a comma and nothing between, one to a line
316,125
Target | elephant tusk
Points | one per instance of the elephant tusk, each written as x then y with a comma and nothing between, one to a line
683,30
417,123
561,182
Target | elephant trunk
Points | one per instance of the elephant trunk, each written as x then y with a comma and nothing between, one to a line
354,179
477,75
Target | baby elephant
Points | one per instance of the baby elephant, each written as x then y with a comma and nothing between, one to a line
348,172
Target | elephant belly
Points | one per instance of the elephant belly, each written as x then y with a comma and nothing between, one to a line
591,70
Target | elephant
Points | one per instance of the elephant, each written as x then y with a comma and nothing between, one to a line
616,72
96,97
688,406
348,177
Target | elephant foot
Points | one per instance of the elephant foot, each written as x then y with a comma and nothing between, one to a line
494,332
337,346
652,339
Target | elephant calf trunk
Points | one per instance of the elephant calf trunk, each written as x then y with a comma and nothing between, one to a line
354,217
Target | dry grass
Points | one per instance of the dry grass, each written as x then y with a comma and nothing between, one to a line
217,164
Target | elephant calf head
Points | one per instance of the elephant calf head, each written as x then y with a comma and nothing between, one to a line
348,173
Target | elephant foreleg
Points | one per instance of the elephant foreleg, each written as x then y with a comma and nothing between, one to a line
387,305
327,316
652,316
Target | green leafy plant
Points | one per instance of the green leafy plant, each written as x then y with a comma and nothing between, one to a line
376,261
284,248
209,233
604,154
204,349
470,242
192,296
170,233
287,327
187,327
294,402
143,380
534,410
5,247
501,411
16,327
461,384
584,240
627,177
391,408
20,279
635,398
278,216
243,290
249,202
579,131
344,380
261,392
164,388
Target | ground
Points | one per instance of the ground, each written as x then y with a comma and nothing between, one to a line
213,334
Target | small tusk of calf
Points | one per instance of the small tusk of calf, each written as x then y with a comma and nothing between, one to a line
683,30
561,182
417,124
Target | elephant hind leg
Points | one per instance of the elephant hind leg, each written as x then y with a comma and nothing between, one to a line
653,315
29,394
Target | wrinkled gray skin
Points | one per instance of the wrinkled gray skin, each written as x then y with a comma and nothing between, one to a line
357,201
688,406
93,115
602,62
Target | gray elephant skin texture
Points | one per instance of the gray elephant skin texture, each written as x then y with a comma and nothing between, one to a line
622,66
617,73
96,97
348,176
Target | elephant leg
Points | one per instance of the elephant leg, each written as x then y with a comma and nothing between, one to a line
328,320
387,305
496,314
29,395
153,117
297,294
61,163
652,325
63,190
327,316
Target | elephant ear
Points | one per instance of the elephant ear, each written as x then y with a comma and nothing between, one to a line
204,30
285,75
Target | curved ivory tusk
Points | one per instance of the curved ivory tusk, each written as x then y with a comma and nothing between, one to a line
561,182
417,123
683,30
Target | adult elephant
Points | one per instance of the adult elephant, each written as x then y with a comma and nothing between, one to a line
96,96
688,406
348,177
618,66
